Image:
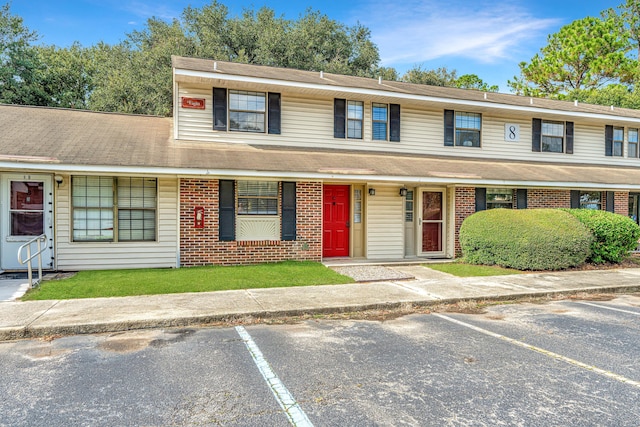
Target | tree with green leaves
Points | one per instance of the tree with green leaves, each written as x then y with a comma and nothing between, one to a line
445,77
65,76
472,81
586,54
436,77
18,62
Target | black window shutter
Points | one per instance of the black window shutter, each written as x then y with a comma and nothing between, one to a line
575,199
521,198
449,130
610,201
536,135
608,140
227,220
394,122
288,211
274,113
481,199
219,108
569,135
339,117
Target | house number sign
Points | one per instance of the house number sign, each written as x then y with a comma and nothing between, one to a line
511,132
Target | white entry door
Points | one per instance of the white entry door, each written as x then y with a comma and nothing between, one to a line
27,212
431,223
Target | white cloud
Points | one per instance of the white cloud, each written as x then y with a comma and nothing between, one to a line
423,30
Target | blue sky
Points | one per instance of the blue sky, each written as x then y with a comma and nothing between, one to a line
487,38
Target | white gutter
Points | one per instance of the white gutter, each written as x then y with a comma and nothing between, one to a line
309,176
409,96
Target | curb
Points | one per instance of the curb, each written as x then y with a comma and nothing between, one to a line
28,332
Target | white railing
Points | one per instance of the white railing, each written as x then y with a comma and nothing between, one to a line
30,256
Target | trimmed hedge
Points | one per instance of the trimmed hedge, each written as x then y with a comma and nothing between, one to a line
614,235
527,239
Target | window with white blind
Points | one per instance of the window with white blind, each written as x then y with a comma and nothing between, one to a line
257,198
113,209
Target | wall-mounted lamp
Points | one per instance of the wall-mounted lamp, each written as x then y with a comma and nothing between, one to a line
372,191
58,179
403,192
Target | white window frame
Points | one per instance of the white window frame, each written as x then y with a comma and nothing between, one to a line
458,130
374,121
354,119
552,135
255,111
110,203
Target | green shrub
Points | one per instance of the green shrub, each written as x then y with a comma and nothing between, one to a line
614,235
533,239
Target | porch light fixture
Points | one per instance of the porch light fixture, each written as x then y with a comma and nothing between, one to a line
372,191
58,179
403,192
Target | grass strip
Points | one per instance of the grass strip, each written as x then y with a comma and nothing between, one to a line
461,269
116,283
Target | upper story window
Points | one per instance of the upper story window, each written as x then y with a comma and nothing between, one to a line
246,111
613,141
380,118
618,141
355,115
462,129
113,209
633,143
552,136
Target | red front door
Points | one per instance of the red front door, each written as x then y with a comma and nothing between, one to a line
335,222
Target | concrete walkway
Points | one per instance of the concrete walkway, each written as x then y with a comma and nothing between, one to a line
62,317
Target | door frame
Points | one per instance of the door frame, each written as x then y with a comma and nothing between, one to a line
9,244
418,227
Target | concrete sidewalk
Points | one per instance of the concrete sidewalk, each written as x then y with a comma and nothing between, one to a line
62,317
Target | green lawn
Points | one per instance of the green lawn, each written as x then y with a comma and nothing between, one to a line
461,269
116,283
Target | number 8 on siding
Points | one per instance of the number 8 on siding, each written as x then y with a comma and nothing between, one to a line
511,132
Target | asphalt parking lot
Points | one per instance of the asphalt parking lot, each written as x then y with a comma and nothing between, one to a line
569,363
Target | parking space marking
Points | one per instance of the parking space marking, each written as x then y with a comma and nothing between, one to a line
548,353
285,399
609,308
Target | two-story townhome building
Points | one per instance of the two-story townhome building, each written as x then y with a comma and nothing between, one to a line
262,164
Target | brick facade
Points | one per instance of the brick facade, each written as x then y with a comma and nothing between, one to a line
465,205
621,203
536,199
202,246
548,198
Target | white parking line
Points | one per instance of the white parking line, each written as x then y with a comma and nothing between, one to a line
548,353
296,415
608,308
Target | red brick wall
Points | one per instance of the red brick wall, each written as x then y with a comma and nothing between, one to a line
548,198
465,205
201,246
621,202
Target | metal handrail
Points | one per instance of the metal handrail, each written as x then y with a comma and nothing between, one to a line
38,239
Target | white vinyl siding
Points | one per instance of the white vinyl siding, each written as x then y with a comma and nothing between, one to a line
163,252
385,224
307,121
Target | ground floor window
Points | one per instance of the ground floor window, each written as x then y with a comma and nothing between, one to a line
499,198
113,208
257,210
591,200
